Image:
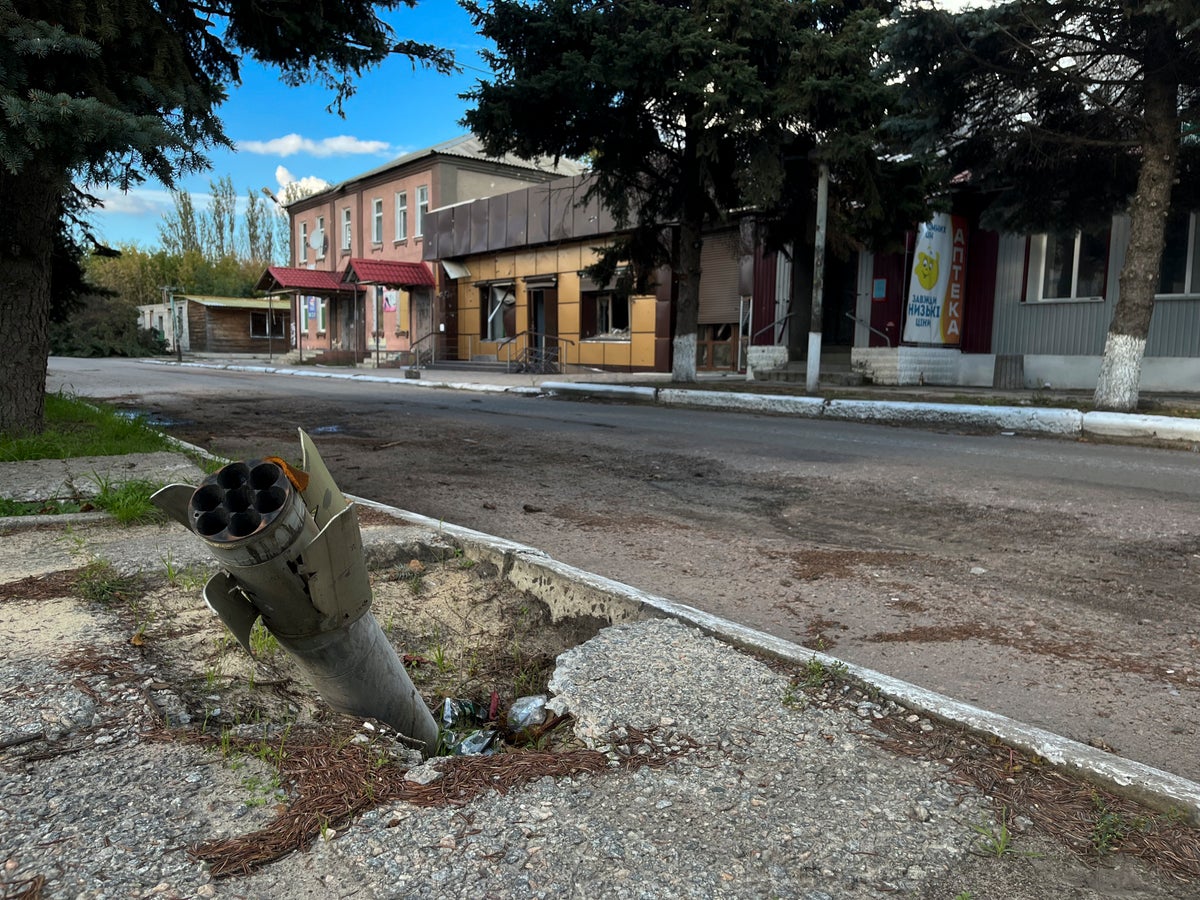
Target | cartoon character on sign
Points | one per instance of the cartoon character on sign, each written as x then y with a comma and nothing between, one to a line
927,269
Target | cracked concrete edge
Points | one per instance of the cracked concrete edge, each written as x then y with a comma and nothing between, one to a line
570,591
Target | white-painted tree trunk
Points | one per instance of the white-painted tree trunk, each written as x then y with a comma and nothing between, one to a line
1120,373
683,366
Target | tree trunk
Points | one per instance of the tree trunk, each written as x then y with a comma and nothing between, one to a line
687,265
687,310
1120,369
31,201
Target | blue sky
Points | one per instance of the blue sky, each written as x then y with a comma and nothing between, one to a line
284,133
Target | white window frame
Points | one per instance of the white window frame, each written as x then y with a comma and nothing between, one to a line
401,215
324,239
303,316
1037,271
321,315
302,256
347,229
422,209
377,220
1191,286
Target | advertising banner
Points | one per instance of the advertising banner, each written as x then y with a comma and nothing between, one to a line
934,313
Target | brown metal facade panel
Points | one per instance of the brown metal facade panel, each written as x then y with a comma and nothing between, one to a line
561,215
517,225
461,245
445,230
478,222
585,217
539,214
497,222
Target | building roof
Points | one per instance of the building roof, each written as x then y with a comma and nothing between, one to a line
388,272
466,146
316,281
234,302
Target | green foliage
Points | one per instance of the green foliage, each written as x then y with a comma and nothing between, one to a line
104,326
129,501
100,582
112,93
1044,103
76,428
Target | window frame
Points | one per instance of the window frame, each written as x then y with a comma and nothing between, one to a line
401,216
302,256
324,240
422,210
1036,249
377,220
591,308
322,316
347,229
492,302
276,317
1191,266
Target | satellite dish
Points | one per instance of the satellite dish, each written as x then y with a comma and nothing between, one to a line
317,241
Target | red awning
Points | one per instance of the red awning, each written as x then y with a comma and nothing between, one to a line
317,281
388,272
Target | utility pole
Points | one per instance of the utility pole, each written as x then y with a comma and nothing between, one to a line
812,375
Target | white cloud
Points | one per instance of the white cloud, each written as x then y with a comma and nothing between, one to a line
291,144
293,188
138,202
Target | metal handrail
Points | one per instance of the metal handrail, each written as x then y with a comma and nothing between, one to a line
528,333
856,320
772,325
416,358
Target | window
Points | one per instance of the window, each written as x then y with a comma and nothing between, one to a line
322,308
346,229
422,209
303,315
319,235
377,220
1180,269
1067,266
604,314
402,216
303,254
498,303
258,324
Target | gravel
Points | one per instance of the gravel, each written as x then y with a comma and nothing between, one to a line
769,797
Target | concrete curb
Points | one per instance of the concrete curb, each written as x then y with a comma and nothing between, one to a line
569,591
1030,420
1056,421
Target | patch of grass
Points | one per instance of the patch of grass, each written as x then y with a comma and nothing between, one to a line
100,582
1111,827
39,507
995,840
815,673
129,501
77,428
263,644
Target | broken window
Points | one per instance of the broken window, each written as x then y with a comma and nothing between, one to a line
258,324
498,302
604,314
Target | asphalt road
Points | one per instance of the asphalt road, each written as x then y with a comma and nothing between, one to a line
1050,580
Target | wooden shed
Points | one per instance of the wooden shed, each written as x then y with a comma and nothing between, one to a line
238,324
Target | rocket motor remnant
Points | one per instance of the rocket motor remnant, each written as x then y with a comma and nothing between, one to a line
291,553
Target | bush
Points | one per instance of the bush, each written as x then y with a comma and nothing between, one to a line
104,326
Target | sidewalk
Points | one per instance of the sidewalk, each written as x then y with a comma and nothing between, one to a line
1030,412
